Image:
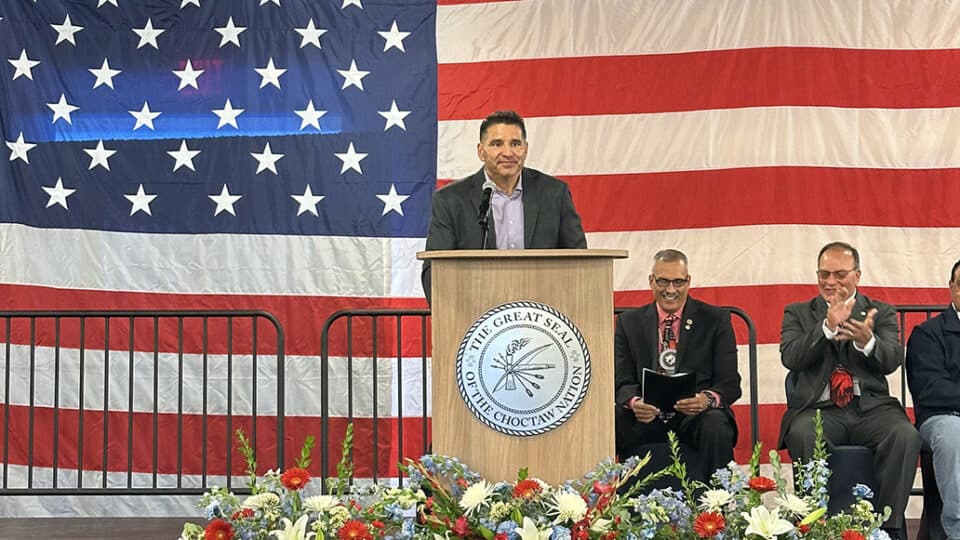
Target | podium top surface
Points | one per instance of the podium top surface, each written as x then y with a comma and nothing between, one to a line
523,253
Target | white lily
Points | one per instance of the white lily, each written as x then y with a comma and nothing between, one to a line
529,531
294,531
765,524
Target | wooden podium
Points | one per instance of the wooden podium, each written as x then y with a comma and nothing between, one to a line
578,284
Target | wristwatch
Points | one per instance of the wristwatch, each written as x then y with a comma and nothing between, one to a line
711,400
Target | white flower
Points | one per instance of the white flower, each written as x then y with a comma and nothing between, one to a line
714,500
262,500
568,506
765,524
320,503
294,531
601,525
529,531
792,505
476,496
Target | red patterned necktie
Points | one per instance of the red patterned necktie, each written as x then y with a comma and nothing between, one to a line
841,387
669,339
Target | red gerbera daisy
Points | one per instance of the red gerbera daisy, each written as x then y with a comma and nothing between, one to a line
241,514
526,489
850,534
294,478
354,530
804,529
708,524
762,484
218,529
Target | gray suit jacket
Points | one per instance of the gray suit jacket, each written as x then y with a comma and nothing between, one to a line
549,219
811,357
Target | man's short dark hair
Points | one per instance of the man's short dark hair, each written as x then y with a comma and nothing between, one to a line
953,272
669,255
510,118
844,247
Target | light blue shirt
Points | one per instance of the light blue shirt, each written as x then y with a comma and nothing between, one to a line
508,216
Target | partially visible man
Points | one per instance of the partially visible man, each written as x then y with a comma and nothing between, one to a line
839,347
675,334
531,210
933,372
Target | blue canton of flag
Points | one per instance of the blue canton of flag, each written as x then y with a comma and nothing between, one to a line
292,117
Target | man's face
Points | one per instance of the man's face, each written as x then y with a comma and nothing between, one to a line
502,151
666,293
955,289
837,275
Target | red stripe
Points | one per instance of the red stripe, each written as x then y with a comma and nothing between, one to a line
302,319
297,429
770,76
766,196
764,303
769,195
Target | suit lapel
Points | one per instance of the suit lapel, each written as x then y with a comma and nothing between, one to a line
531,206
685,330
652,335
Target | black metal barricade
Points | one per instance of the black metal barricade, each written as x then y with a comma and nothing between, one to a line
136,402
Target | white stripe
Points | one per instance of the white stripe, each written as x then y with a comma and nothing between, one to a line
351,392
566,28
206,264
785,254
722,139
719,257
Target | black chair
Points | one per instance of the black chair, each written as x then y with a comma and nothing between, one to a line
849,464
930,526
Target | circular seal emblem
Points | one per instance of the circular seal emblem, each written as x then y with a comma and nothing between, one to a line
668,360
523,368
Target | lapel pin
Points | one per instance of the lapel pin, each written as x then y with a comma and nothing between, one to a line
689,323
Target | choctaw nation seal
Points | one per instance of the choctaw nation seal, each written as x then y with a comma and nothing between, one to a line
523,368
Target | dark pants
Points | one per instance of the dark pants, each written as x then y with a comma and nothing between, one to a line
884,429
711,433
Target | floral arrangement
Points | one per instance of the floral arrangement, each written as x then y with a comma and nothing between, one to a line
445,499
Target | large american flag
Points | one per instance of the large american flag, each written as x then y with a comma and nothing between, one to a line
745,133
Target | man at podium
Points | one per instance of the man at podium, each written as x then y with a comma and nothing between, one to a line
529,209
673,336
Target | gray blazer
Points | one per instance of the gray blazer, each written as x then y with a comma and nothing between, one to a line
549,219
811,357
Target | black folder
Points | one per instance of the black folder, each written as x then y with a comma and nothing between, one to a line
663,390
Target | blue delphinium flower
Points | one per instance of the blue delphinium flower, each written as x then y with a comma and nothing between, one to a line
212,510
560,533
879,534
509,528
862,491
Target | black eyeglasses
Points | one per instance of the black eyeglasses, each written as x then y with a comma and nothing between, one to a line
838,274
664,282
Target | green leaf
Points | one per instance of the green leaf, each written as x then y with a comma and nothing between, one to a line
523,474
486,533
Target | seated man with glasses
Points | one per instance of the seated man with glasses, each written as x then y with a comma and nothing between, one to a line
839,348
677,334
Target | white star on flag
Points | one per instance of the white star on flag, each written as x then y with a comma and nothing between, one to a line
270,74
62,109
225,201
102,2
99,156
19,148
394,38
351,159
351,3
266,160
310,116
311,35
230,33
66,31
144,116
148,35
24,65
394,117
58,194
140,201
184,156
104,74
186,2
188,76
392,201
228,115
308,201
277,2
352,76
